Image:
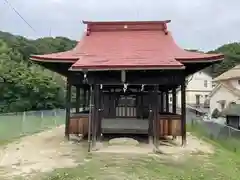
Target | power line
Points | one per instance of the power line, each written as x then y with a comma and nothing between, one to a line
15,10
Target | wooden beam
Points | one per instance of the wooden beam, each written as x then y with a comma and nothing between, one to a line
183,111
68,108
174,100
151,77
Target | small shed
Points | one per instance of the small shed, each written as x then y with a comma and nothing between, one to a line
232,114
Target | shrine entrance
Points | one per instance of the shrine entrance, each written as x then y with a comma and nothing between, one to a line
126,106
125,112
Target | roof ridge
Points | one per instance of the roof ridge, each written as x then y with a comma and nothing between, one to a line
231,88
98,26
229,74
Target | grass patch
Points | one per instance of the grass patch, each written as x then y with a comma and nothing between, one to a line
224,141
123,167
16,126
224,164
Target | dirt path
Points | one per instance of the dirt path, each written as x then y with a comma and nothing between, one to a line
41,152
172,148
48,150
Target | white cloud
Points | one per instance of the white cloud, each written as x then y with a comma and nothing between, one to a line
201,24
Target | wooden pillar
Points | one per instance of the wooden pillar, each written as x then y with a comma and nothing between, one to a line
167,100
162,102
95,116
183,111
68,108
84,98
77,99
156,116
150,118
98,112
138,106
174,101
91,117
88,96
142,106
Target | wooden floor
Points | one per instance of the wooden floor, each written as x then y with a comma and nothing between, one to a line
125,126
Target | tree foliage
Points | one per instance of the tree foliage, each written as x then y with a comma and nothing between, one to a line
232,58
23,84
216,113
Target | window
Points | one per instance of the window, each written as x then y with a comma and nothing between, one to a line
222,105
232,103
197,99
205,83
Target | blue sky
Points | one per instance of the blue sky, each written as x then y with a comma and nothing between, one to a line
196,24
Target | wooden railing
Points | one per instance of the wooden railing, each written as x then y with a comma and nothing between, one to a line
169,125
126,112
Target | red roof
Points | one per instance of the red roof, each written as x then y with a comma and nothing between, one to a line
128,45
67,56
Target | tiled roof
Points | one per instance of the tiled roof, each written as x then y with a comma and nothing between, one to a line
130,45
228,86
125,49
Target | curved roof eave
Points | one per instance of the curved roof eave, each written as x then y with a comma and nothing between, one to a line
46,58
122,67
185,56
70,56
204,58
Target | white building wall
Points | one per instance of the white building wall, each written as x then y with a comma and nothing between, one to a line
235,83
222,94
199,83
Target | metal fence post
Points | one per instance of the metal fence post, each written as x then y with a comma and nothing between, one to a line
229,132
23,122
55,117
41,124
192,122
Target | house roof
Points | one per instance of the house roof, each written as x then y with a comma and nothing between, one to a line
232,110
228,86
230,74
130,45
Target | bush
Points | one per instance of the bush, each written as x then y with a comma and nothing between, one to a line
216,113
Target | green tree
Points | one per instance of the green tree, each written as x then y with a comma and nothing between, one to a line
23,84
